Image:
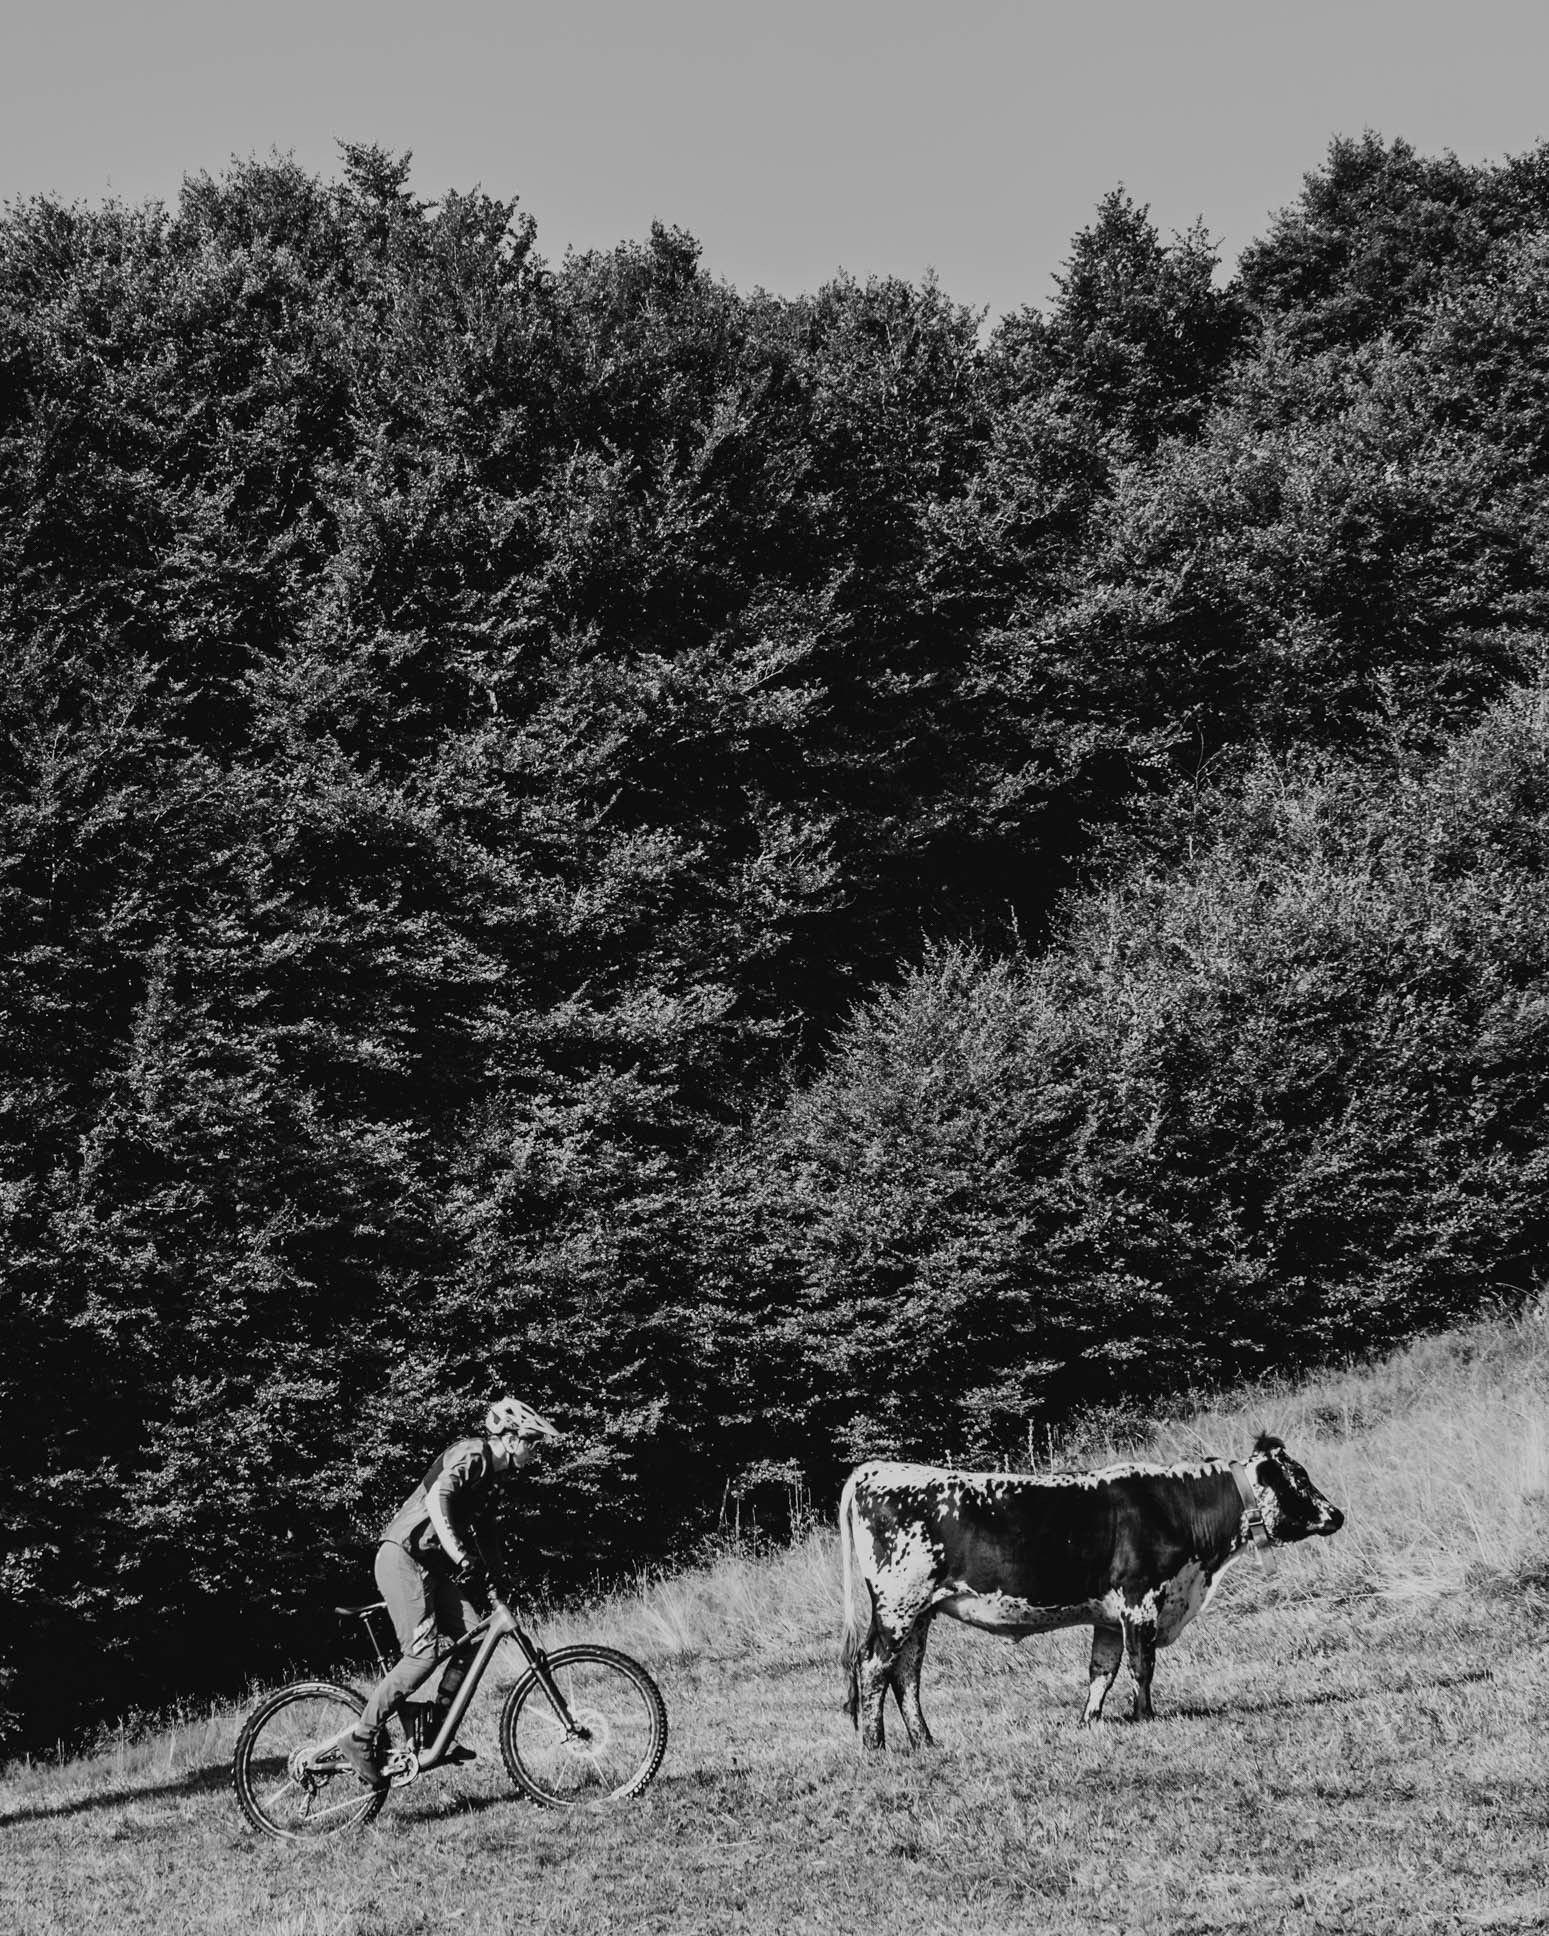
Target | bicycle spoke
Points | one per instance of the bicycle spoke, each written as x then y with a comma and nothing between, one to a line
350,1801
288,1761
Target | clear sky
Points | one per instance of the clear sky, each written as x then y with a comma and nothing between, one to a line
791,137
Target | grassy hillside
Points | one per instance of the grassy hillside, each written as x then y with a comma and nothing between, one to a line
1353,1743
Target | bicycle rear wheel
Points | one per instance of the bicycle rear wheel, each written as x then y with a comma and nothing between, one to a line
615,1745
289,1774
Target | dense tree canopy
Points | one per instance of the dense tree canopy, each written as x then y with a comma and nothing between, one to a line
1280,1093
784,876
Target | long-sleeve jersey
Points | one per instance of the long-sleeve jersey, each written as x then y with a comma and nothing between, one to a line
434,1522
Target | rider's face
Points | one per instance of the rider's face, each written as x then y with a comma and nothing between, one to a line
523,1451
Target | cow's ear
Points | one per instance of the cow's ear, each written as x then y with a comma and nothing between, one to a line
1267,1442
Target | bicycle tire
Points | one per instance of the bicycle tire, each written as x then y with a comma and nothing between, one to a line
615,1700
328,1798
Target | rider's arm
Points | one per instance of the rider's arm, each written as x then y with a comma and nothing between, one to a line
461,1471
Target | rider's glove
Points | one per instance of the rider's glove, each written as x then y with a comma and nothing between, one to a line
472,1578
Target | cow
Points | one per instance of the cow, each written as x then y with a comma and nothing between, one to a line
1136,1549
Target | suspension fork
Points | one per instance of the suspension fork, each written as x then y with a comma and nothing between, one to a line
538,1661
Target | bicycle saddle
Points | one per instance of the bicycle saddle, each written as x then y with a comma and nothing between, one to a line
354,1613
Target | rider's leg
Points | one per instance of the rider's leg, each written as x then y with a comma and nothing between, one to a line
411,1603
456,1616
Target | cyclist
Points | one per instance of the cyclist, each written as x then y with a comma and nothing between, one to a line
429,1570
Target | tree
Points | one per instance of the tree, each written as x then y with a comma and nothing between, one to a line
1138,336
1380,232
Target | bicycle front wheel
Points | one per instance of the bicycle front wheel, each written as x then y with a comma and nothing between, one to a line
289,1774
605,1748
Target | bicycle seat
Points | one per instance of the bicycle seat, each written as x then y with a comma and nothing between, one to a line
356,1613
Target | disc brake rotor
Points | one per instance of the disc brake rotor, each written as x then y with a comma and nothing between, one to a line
596,1732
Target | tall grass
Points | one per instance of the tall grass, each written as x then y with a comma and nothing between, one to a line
1438,1456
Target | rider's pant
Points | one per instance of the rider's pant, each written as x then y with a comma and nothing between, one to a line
428,1615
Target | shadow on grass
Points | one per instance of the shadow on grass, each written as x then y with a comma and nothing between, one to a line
445,1808
197,1781
216,1778
1230,1704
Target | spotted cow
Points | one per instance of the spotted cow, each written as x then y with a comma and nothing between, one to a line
1137,1550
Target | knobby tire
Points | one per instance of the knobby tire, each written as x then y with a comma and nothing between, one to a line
623,1714
329,1799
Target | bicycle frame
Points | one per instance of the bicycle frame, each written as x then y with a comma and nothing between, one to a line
502,1624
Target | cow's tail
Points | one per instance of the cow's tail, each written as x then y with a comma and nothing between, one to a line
850,1645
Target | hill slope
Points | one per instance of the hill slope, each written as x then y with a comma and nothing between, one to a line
1355,1742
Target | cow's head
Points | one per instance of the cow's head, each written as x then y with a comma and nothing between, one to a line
1292,1505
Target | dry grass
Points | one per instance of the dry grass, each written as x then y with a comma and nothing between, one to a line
1353,1744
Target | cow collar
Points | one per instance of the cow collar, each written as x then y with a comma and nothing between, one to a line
1253,1517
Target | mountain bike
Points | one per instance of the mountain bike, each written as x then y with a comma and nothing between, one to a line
584,1725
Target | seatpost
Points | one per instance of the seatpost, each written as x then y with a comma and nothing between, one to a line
369,1617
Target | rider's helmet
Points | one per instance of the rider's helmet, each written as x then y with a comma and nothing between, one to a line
509,1416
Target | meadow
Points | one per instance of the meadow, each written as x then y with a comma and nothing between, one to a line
1352,1742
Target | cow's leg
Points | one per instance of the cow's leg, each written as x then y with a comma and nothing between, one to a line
906,1684
1107,1652
872,1673
1140,1645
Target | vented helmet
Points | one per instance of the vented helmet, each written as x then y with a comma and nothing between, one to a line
510,1417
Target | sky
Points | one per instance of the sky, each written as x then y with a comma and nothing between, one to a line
792,138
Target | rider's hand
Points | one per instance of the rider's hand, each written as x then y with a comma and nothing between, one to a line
472,1578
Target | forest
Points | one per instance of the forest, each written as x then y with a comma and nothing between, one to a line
786,878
